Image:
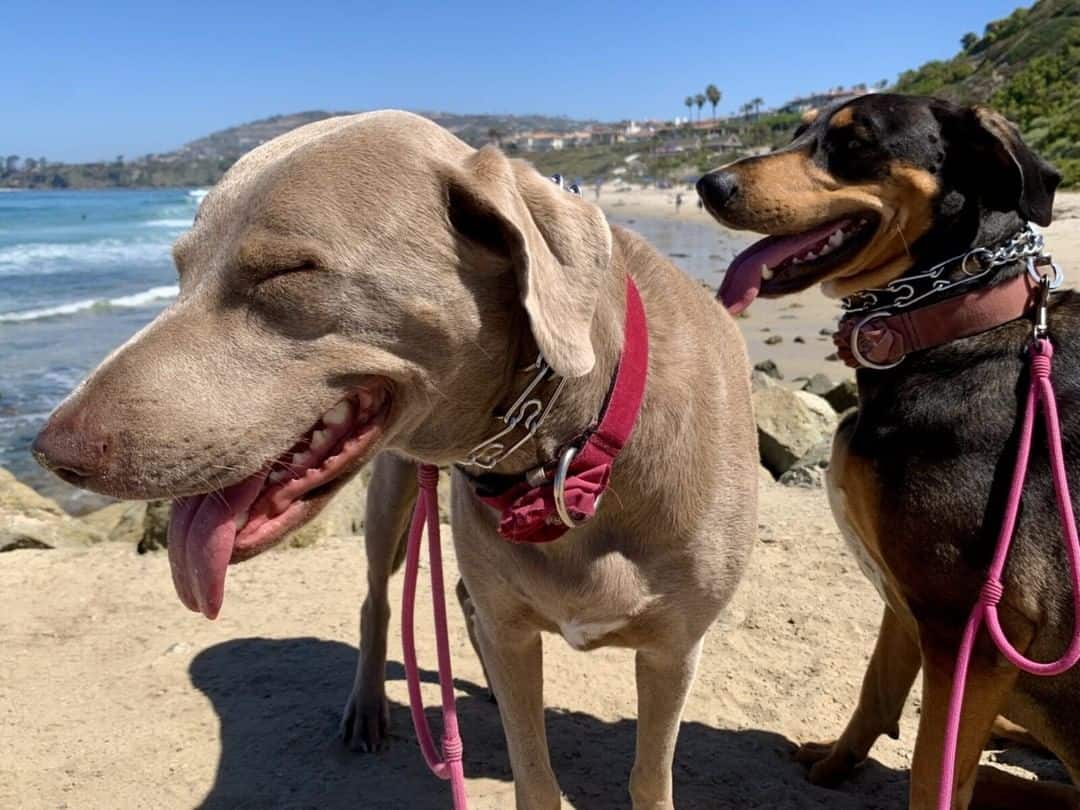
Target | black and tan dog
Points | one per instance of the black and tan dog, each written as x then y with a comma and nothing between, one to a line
879,188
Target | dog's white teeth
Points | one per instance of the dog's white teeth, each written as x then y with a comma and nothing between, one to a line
277,476
364,399
836,239
303,459
241,520
338,415
320,439
809,257
766,272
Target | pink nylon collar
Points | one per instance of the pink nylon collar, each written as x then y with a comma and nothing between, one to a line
528,512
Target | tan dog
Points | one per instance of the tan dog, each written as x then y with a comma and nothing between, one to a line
378,272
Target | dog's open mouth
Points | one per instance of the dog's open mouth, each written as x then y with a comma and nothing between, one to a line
211,530
777,265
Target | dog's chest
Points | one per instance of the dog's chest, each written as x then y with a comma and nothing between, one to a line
582,633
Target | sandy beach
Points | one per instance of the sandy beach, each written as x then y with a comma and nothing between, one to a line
112,695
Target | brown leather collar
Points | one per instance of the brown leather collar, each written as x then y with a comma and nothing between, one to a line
880,340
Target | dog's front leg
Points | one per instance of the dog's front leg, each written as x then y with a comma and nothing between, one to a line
390,497
664,678
885,687
989,682
513,655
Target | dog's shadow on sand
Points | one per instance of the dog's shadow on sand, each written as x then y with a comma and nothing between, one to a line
279,703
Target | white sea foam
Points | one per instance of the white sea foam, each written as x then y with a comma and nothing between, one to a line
139,299
55,257
198,193
168,223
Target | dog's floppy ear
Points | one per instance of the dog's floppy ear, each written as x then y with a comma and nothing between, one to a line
1026,180
558,245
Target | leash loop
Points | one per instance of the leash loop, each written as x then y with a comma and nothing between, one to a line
448,766
1040,392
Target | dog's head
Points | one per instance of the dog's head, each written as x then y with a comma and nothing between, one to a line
871,187
358,284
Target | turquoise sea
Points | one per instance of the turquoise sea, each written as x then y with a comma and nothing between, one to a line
81,271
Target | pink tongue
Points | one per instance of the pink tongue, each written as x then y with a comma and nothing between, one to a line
742,281
202,532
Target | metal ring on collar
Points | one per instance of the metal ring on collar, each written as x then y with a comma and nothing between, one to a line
1033,271
858,355
558,489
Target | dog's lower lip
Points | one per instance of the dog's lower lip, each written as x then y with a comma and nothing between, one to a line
284,501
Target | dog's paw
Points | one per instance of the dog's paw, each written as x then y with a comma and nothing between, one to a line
365,724
829,764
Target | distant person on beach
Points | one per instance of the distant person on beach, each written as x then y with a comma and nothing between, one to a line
678,202
598,185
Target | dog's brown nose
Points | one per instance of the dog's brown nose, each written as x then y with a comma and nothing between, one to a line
70,446
717,188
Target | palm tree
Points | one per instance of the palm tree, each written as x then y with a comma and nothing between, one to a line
689,102
757,102
746,109
712,93
699,99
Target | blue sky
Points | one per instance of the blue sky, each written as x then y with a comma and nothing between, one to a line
81,81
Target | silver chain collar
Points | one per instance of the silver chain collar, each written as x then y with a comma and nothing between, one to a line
528,412
1026,244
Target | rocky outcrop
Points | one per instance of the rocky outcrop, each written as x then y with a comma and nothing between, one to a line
30,520
790,424
142,524
844,396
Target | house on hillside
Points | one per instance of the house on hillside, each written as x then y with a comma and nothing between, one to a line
539,141
824,98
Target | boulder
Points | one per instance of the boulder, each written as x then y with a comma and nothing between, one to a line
843,396
143,524
760,380
30,520
769,368
808,477
790,424
818,384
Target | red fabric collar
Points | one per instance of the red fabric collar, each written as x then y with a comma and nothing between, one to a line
528,511
882,339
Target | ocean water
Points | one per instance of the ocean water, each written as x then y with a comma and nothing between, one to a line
81,271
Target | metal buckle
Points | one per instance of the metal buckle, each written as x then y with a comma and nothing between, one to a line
858,355
1055,277
558,490
1042,312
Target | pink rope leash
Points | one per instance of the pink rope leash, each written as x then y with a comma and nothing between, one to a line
1040,392
449,767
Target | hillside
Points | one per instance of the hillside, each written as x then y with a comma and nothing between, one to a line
203,161
1026,65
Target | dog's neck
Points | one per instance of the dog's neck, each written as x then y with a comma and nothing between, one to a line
581,400
948,261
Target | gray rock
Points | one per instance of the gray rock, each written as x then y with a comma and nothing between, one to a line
809,477
843,396
790,424
30,520
143,524
759,380
769,368
772,340
819,384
